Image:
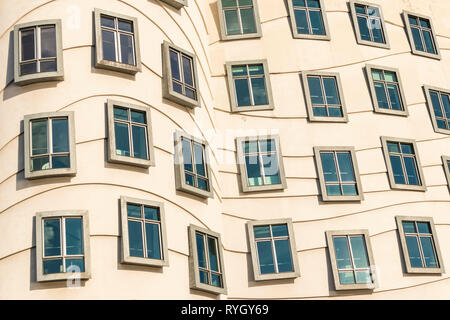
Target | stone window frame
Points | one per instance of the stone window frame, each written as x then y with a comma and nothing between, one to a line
405,15
232,89
168,92
243,170
125,257
254,251
440,91
390,171
178,4
112,155
325,196
368,69
359,40
57,75
194,278
293,22
445,162
72,170
331,250
180,181
409,268
222,23
311,117
40,216
114,65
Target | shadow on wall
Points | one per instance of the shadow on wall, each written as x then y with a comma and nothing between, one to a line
215,14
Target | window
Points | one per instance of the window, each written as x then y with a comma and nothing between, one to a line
351,259
446,163
260,163
49,145
206,261
273,249
308,19
249,83
143,232
419,244
438,101
180,82
239,19
404,169
62,245
369,24
386,90
421,35
130,134
324,97
176,3
338,174
117,42
38,52
192,171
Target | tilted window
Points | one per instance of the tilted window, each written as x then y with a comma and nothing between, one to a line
421,35
446,163
38,52
239,19
308,19
438,101
176,3
49,143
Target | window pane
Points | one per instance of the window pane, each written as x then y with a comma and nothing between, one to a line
250,147
135,239
189,179
363,277
360,9
245,2
413,20
109,45
359,252
137,116
316,22
151,213
153,241
377,32
48,66
320,111
187,155
75,265
280,230
329,167
40,164
125,25
397,169
60,162
202,184
424,23
363,29
28,45
377,75
60,129
253,167
413,252
315,90
200,250
232,22
283,253
427,37
248,21
27,68
271,170
216,280
333,190
48,42
301,21
122,139
261,232
446,103
409,227
428,252
177,87
381,95
107,22
239,71
424,227
300,3
331,90
52,237
127,49
187,71
199,160
256,69
342,253
349,190
204,277
394,96
53,266
346,166
393,147
410,166
390,76
335,112
213,258
174,65
120,113
74,236
228,3
134,211
313,3
38,137
436,104
242,92
417,40
373,11
139,142
267,145
346,277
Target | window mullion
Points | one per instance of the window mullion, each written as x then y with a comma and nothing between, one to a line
324,95
63,242
308,21
38,48
351,256
144,237
50,141
194,168
338,172
241,28
422,256
261,163
274,252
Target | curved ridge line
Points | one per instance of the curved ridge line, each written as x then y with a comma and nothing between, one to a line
203,18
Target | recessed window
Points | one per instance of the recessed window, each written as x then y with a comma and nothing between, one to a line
446,163
176,3
421,35
404,169
38,52
420,247
49,143
351,259
143,232
206,261
62,245
117,42
192,171
260,163
338,174
273,249
239,19
386,90
308,19
130,134
180,82
438,101
249,83
369,24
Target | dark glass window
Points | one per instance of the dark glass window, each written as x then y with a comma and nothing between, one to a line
441,106
324,95
422,34
208,260
308,17
118,40
387,89
250,85
339,174
369,23
420,244
239,16
195,166
183,79
404,163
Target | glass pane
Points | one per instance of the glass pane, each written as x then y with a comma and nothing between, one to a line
299,3
373,11
151,213
200,250
245,2
232,22
74,236
446,103
239,71
190,93
316,22
27,44
377,32
301,21
413,20
134,211
48,66
27,68
189,179
315,90
40,164
137,116
331,90
187,71
424,23
271,170
441,124
363,277
48,42
417,40
360,9
346,277
256,69
428,252
342,253
202,184
313,3
363,29
216,280
199,160
135,239
424,227
436,104
250,147
120,113
187,155
349,190
253,167
126,25
359,252
345,166
139,142
177,87
248,21
153,241
390,76
228,3
52,237
261,232
410,166
60,130
267,145
75,265
409,227
109,45
381,95
320,111
242,92
203,277
393,147
397,169
122,139
107,22
333,190
407,148
377,75
38,137
213,257
280,230
394,96
60,162
335,112
53,266
427,37
413,252
283,253
174,65
329,167
127,49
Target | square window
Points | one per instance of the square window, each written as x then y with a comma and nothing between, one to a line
308,19
49,145
38,52
117,42
62,245
446,164
239,19
130,138
438,101
249,85
176,3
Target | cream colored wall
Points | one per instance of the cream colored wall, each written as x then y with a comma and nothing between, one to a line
98,185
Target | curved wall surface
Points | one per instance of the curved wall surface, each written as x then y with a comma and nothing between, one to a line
99,184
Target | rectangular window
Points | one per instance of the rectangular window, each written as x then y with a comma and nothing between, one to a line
338,174
438,101
421,35
130,134
260,163
351,259
308,19
206,261
446,163
324,97
49,145
420,248
62,245
143,232
239,19
249,83
38,52
273,249
117,44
